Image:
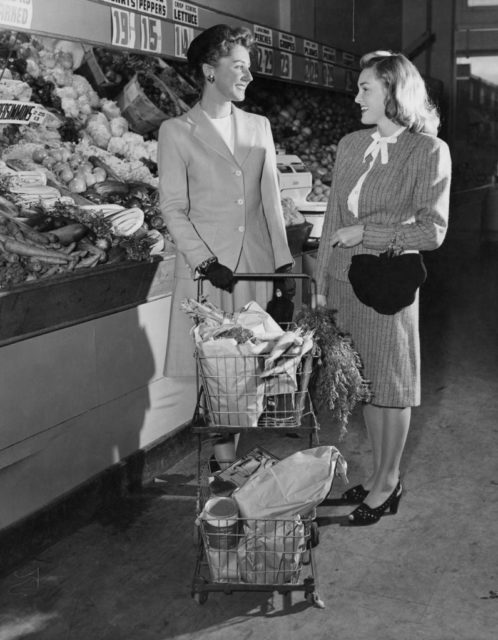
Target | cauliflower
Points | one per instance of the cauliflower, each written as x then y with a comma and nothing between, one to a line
84,107
70,107
81,85
84,89
110,108
64,59
151,146
132,138
15,90
33,68
47,59
61,77
117,145
136,151
119,126
66,92
99,130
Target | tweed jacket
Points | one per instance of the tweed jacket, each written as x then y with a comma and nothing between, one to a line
406,200
216,203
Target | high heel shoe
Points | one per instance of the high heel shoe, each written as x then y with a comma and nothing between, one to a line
355,495
365,515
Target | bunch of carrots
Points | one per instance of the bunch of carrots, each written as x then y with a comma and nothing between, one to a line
27,254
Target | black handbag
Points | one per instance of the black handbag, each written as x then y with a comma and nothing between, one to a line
387,282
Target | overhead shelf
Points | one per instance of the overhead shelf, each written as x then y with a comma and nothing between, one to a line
167,27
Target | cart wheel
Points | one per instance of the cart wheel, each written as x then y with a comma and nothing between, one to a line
198,594
314,535
314,599
287,600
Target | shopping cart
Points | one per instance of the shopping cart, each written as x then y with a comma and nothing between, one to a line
235,395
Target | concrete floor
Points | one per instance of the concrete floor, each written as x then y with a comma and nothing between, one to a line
428,573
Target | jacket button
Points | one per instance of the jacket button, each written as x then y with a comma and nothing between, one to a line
240,201
241,229
238,172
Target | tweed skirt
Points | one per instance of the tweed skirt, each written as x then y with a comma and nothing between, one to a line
388,345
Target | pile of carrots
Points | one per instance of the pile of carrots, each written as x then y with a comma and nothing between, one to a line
27,254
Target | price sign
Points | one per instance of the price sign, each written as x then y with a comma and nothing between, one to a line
183,38
124,33
349,83
264,60
284,64
150,35
328,74
347,58
311,70
329,54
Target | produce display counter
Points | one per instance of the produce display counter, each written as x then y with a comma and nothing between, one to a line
81,380
59,302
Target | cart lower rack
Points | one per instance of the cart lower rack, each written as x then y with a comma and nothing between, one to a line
257,555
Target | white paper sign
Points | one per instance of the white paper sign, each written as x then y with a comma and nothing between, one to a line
16,13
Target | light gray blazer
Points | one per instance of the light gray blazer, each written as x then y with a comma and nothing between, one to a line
408,197
218,203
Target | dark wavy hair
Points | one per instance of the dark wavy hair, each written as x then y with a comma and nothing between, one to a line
215,43
407,102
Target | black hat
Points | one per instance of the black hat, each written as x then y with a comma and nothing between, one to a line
387,283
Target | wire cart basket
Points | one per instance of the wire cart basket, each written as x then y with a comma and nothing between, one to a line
234,395
238,554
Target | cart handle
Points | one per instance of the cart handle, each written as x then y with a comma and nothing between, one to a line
269,276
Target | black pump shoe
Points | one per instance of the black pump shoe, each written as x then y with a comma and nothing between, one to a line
355,495
365,515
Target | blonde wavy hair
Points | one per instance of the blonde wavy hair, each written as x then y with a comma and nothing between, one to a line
407,101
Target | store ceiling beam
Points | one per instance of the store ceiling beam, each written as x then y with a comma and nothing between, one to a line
476,42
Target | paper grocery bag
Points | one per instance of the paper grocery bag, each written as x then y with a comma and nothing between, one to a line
293,486
231,376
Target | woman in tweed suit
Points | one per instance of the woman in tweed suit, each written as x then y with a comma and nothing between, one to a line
391,185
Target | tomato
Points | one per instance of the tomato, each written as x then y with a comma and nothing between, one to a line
39,155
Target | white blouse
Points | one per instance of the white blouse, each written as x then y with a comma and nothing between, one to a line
378,145
225,128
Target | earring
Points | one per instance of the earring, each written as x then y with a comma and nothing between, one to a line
210,78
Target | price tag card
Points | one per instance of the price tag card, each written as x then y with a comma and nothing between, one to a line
328,71
183,38
284,68
124,28
263,35
16,13
185,13
287,42
348,58
311,49
329,54
311,73
264,60
157,8
151,38
350,80
15,112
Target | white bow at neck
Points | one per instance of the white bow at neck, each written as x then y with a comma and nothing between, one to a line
379,144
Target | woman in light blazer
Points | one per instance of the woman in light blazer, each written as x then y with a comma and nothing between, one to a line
391,185
219,192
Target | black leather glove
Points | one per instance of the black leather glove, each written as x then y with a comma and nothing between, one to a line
286,286
219,276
